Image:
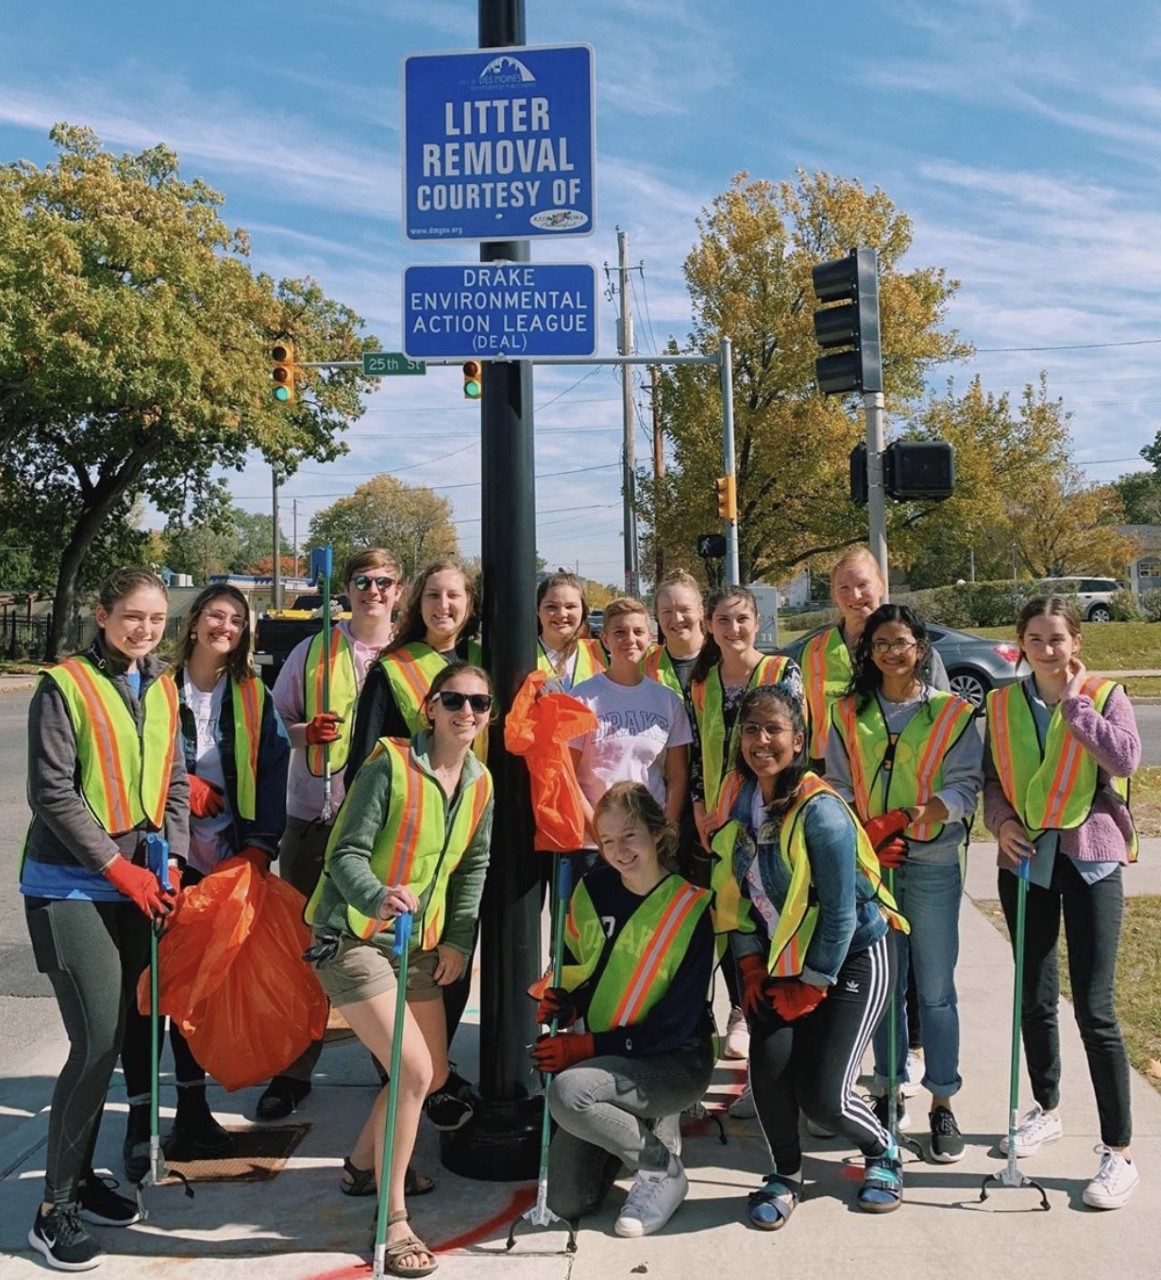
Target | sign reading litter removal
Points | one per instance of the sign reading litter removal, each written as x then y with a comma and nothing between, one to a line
514,310
498,143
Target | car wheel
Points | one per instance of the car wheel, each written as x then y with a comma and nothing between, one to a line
969,685
1100,613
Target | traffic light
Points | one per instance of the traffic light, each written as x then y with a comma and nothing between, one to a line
726,487
850,331
919,469
473,379
282,358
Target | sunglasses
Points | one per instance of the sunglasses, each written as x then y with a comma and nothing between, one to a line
453,700
363,582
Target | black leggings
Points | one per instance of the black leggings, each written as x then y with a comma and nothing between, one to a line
92,953
811,1064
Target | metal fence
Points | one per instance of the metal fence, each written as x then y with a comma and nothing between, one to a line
26,639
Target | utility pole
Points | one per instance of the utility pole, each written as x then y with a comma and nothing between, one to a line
658,469
275,568
876,493
628,452
294,509
732,571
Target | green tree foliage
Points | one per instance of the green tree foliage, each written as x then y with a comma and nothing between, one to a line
1140,492
410,520
749,279
134,344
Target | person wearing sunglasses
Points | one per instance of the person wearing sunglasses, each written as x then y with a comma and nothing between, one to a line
374,583
414,836
909,759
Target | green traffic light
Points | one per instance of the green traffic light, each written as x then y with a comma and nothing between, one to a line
282,394
472,390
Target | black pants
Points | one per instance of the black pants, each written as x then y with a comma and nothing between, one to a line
811,1064
1093,914
92,953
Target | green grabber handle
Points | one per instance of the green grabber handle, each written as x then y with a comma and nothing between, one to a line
1023,871
892,1031
325,558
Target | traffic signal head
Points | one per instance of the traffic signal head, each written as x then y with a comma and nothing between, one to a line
282,360
727,493
919,469
473,379
848,331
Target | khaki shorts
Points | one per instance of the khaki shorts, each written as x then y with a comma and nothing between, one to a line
362,970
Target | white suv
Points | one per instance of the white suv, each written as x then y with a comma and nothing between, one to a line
1093,595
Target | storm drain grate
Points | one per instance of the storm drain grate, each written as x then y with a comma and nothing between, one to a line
257,1155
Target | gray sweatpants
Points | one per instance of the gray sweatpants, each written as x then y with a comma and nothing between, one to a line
602,1108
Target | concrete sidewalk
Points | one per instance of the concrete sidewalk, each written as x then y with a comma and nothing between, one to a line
304,1229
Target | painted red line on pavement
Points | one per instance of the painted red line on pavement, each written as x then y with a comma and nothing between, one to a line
517,1203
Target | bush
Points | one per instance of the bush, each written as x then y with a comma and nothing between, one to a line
1124,608
969,604
1150,604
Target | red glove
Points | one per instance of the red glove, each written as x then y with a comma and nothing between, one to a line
259,859
205,800
323,728
754,975
792,998
892,855
888,825
140,886
553,1053
556,1003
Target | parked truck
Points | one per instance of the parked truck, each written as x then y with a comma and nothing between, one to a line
279,630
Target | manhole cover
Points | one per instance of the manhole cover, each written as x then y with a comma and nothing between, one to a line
258,1154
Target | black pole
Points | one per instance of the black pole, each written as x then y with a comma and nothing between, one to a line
501,1143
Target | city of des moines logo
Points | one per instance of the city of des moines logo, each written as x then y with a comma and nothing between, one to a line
506,70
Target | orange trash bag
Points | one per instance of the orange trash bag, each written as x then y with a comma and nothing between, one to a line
539,727
233,978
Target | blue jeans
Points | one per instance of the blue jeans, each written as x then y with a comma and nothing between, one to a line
929,896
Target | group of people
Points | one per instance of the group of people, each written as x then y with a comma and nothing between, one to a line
801,825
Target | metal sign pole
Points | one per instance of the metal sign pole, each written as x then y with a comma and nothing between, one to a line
726,362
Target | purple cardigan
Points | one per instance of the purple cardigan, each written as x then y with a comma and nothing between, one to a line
1112,739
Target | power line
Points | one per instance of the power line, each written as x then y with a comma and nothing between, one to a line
1072,346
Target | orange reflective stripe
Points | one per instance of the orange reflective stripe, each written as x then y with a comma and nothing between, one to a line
935,748
317,754
1063,780
814,679
409,670
846,711
105,739
407,842
248,689
171,698
647,968
1002,743
788,964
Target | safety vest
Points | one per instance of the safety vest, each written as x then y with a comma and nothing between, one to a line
708,707
915,773
591,659
420,844
658,665
124,772
410,671
344,693
641,960
798,916
1051,787
826,673
249,700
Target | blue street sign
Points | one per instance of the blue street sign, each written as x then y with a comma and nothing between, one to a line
513,310
498,144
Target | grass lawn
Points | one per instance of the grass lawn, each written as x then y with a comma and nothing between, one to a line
1145,797
1138,979
1107,646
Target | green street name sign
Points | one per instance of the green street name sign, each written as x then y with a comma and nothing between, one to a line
384,364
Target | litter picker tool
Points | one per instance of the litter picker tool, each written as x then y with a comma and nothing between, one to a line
157,861
402,949
321,571
1010,1175
540,1215
893,1053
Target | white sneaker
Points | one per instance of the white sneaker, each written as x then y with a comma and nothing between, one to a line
667,1131
913,1074
1037,1128
1116,1180
737,1041
653,1199
743,1106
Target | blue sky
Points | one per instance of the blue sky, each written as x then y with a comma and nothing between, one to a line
1023,137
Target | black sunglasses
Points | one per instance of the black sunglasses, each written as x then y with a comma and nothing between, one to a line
453,700
362,581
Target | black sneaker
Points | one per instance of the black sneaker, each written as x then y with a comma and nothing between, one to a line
98,1202
196,1135
61,1237
135,1150
947,1144
902,1119
281,1098
450,1107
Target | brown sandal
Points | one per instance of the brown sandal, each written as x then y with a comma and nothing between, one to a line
361,1182
409,1246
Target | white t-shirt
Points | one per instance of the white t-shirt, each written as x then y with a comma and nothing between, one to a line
636,725
206,846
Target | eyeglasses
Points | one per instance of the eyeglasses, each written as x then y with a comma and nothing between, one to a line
774,730
363,582
225,619
453,700
891,646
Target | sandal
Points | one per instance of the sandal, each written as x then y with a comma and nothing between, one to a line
882,1189
772,1204
361,1182
408,1247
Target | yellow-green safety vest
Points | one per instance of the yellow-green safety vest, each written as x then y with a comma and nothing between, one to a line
708,701
642,959
591,660
826,673
916,771
124,773
419,845
249,699
1051,787
410,671
658,665
798,917
344,694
